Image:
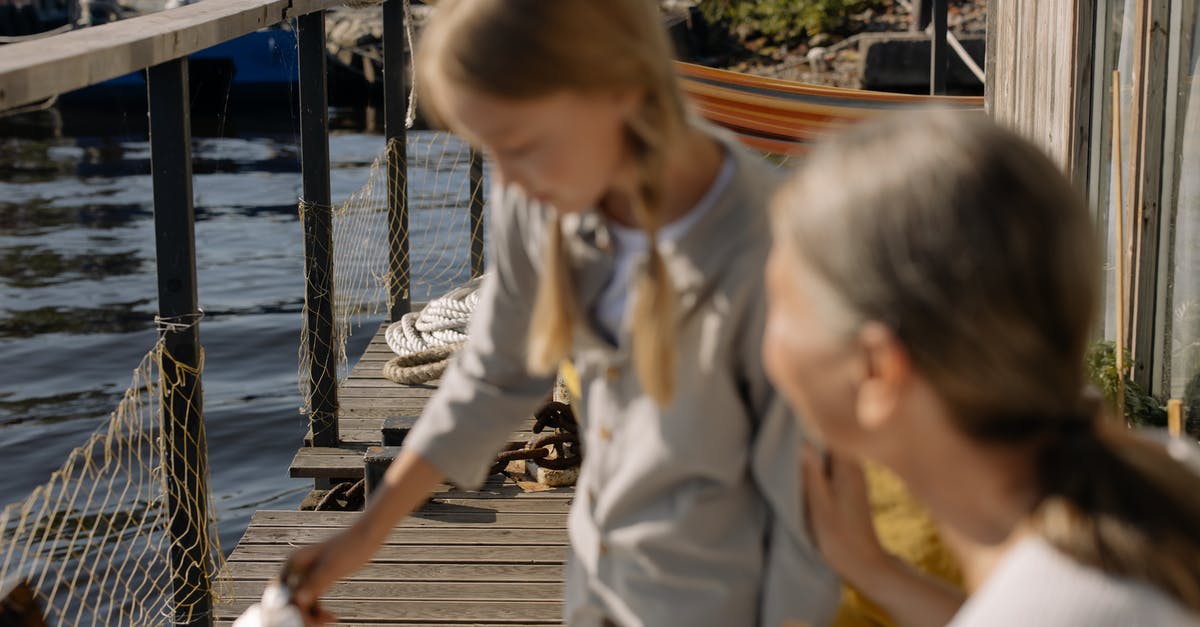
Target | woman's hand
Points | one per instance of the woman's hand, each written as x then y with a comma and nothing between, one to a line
841,522
839,515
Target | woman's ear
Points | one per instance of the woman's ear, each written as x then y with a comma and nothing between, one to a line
886,375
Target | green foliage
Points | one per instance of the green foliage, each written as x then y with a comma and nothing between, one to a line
1141,407
783,20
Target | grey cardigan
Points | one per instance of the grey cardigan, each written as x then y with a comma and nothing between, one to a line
688,515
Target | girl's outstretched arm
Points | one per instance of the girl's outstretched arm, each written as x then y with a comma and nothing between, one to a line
406,484
484,395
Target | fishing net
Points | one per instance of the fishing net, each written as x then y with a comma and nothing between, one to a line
95,542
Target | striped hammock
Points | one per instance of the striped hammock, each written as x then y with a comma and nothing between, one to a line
784,117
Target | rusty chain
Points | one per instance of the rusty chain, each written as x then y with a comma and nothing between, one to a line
343,497
564,442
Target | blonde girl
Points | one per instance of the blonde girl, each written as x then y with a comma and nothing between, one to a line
630,241
946,301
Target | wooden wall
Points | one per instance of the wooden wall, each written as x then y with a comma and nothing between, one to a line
1039,69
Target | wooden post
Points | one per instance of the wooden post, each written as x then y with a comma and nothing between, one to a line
395,123
475,227
938,59
1135,160
921,11
185,457
1146,167
1118,246
1175,417
318,230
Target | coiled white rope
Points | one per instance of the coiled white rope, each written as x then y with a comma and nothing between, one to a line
442,322
426,340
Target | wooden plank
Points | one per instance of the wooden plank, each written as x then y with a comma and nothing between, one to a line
35,70
1148,194
360,424
334,451
371,438
263,571
355,423
495,487
325,463
452,612
226,620
420,590
373,366
436,519
367,408
446,554
528,502
536,509
368,437
381,382
302,7
406,536
382,391
393,406
357,397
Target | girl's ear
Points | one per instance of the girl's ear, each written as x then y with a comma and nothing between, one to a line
886,375
628,101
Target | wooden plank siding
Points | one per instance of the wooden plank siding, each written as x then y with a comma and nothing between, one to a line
1039,68
1049,77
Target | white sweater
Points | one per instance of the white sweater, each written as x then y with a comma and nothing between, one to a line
1035,584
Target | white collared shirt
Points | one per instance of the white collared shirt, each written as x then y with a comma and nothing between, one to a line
629,245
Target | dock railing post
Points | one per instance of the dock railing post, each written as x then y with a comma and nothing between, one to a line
318,230
920,15
185,455
475,229
938,59
395,121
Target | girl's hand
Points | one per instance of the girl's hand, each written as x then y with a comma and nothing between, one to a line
312,569
839,515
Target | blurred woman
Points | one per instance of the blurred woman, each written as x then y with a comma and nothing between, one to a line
931,293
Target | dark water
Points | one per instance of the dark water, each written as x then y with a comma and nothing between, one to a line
78,289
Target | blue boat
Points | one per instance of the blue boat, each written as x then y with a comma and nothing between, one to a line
258,66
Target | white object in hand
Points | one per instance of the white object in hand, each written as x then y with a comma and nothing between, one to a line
274,610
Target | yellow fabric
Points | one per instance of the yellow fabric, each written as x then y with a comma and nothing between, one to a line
905,530
570,377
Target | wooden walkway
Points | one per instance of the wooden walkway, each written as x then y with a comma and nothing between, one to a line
492,557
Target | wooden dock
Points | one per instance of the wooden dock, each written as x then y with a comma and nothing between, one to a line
491,557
